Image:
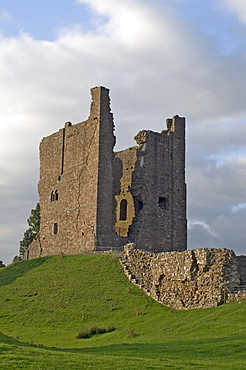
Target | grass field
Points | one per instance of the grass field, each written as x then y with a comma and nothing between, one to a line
44,303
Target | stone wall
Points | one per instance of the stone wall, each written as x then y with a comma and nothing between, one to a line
241,260
150,180
124,165
183,280
94,199
75,186
34,250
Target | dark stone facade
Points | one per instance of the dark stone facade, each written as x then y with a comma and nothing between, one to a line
241,260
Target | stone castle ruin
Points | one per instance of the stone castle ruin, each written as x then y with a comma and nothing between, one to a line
95,200
198,278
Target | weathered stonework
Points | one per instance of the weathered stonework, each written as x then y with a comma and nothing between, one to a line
152,182
241,260
94,199
183,280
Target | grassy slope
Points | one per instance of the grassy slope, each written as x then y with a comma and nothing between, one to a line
45,302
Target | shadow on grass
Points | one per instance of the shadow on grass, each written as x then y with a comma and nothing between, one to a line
211,347
5,339
12,272
202,351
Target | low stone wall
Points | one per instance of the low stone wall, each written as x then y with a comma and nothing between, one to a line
34,250
183,280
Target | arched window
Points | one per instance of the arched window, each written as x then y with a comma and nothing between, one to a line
52,196
56,195
123,210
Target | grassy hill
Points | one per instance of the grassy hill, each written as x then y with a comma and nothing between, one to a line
46,302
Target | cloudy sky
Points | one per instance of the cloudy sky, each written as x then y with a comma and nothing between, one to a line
159,58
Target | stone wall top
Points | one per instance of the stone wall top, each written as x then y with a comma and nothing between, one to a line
196,278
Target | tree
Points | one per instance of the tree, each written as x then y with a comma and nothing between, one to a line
31,233
17,258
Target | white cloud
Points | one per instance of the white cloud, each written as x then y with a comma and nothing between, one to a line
203,225
238,207
157,65
5,16
238,7
129,21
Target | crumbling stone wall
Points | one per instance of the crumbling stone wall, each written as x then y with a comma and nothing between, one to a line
94,199
124,165
34,250
183,280
152,184
241,260
75,186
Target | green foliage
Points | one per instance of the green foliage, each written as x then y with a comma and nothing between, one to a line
45,301
31,233
17,259
94,330
34,219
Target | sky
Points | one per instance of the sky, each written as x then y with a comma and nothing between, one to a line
159,58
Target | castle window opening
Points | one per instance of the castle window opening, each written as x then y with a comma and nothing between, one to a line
56,195
55,228
138,204
52,196
123,210
163,203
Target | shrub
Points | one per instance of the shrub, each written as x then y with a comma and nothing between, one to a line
94,330
83,334
111,328
131,332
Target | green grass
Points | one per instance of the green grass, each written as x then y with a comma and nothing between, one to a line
45,303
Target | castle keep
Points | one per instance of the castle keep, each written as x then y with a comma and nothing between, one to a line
94,199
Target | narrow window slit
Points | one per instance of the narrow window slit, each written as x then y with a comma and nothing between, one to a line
55,228
123,210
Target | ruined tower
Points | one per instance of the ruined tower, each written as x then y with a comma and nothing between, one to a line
153,189
94,199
